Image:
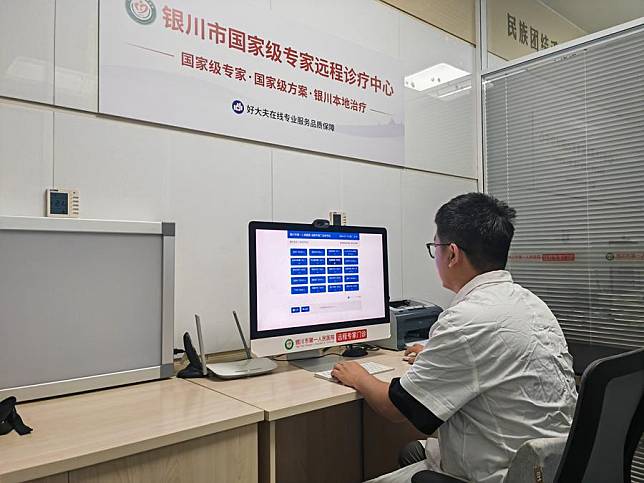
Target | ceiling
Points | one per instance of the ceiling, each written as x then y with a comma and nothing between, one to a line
595,15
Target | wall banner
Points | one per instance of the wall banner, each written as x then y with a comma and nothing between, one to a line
222,68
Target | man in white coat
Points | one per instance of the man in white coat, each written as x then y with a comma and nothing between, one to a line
496,371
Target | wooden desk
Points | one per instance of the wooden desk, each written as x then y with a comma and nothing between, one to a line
316,430
155,431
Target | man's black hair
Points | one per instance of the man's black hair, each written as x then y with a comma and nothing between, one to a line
481,226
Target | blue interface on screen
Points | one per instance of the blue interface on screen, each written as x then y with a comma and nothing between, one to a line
312,277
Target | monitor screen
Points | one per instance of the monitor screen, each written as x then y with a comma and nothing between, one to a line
306,279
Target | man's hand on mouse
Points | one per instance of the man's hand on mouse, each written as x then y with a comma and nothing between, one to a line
411,352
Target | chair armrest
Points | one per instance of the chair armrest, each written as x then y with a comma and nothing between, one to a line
536,461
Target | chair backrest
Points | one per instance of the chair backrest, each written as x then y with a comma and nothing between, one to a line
608,421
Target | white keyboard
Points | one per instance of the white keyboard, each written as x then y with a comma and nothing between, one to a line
370,367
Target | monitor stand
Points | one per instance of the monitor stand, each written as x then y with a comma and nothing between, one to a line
314,360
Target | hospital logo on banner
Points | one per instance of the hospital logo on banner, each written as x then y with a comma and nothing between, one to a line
141,11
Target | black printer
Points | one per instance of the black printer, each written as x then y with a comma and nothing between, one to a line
410,322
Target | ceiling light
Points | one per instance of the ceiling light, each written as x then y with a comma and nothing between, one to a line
433,76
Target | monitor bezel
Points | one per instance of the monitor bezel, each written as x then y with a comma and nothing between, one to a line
253,226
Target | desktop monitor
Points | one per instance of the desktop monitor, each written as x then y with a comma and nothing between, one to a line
313,287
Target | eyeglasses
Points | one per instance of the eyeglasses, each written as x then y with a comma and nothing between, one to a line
431,247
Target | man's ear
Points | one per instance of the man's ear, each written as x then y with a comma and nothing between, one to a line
455,254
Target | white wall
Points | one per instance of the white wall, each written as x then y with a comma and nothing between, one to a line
212,186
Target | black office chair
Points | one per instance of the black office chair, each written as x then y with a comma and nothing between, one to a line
606,428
